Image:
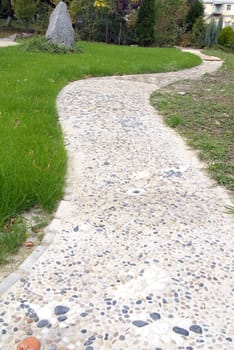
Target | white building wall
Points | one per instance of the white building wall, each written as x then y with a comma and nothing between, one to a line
214,9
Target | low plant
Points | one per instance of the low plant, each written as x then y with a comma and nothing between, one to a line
12,235
203,115
41,44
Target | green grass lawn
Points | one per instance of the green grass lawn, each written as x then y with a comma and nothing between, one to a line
204,115
32,154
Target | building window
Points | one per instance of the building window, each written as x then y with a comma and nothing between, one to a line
233,25
226,24
229,7
217,9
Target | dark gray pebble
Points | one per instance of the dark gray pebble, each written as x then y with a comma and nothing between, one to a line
61,310
88,342
76,229
140,323
92,338
229,339
83,314
89,348
4,331
196,329
42,323
62,318
181,331
155,316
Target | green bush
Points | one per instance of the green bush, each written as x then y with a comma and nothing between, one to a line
230,45
40,44
226,36
199,32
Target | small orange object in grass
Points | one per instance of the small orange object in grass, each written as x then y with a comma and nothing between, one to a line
30,343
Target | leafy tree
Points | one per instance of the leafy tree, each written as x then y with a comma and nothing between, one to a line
4,8
170,21
199,32
145,23
83,14
25,9
104,9
195,11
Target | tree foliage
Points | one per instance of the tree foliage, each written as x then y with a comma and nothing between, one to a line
170,22
199,32
195,10
145,23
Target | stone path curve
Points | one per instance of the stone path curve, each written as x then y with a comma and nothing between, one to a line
141,246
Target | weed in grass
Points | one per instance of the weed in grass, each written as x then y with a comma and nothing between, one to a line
12,235
175,120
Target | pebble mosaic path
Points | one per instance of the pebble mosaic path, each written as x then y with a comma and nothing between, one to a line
141,252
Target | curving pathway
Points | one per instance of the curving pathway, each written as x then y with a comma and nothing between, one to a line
141,246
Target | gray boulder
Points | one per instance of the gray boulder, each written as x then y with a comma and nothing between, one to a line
60,29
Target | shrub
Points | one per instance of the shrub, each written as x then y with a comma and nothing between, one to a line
164,39
211,34
199,32
40,44
187,40
226,36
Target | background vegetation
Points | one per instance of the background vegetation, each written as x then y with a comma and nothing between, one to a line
143,22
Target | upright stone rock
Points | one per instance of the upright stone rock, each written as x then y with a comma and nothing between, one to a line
60,29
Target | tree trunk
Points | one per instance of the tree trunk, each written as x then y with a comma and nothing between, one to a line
8,21
120,32
107,30
10,13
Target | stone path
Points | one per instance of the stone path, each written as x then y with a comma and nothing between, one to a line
7,42
141,246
